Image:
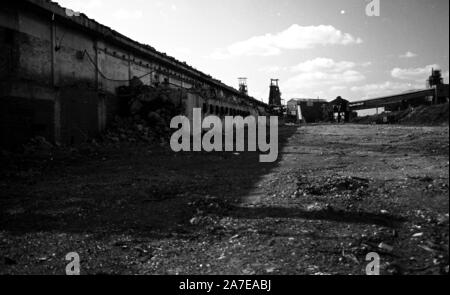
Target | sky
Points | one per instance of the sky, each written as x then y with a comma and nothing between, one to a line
316,48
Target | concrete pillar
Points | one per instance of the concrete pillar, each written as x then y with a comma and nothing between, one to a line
101,112
101,98
52,51
53,83
130,74
57,118
99,58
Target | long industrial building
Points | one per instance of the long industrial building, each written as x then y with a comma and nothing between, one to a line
60,70
436,92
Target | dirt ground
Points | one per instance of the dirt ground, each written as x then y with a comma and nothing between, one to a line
336,193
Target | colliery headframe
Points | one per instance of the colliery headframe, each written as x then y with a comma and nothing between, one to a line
61,72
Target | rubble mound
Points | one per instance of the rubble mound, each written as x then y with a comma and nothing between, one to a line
330,185
427,115
135,129
209,210
434,115
146,112
212,205
38,146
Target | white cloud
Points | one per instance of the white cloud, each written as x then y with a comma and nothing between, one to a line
294,37
386,88
165,9
321,64
322,73
315,79
408,54
338,88
413,74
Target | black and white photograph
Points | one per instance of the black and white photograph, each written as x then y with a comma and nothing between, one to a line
226,139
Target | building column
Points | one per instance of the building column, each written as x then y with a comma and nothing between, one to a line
101,98
53,83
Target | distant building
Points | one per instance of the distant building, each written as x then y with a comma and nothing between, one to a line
308,110
340,110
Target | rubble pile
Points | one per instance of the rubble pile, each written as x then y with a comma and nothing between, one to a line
132,130
334,184
427,115
209,210
146,112
38,146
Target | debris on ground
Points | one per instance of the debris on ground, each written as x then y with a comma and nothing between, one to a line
140,209
337,185
146,112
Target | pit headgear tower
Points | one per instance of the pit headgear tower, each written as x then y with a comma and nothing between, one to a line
243,86
274,94
435,79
